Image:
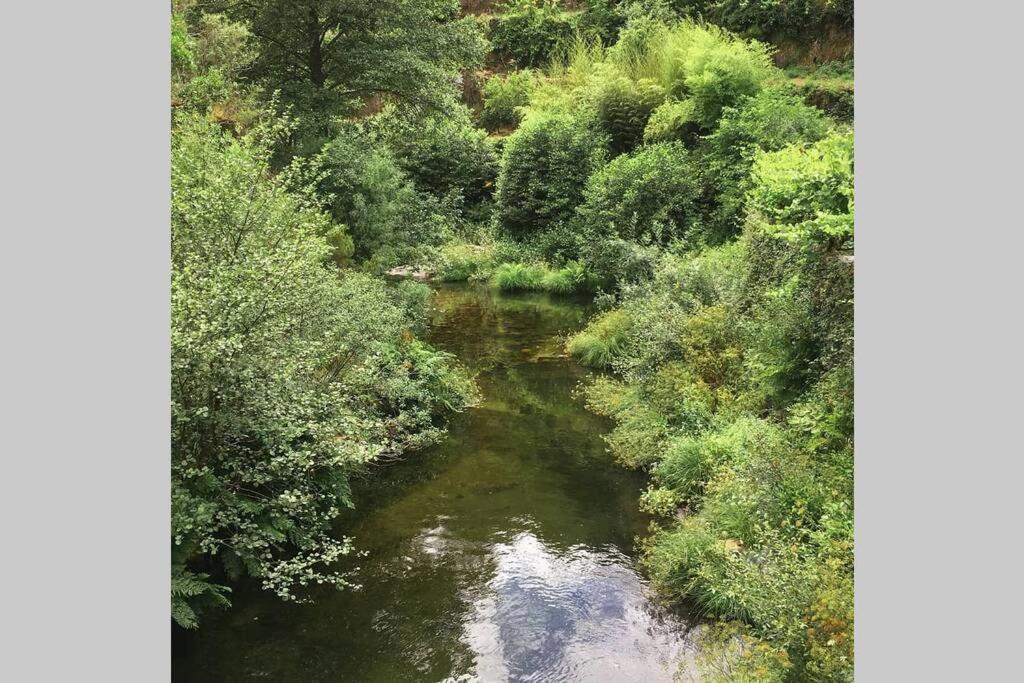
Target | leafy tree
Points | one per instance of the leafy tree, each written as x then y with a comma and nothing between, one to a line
369,192
330,56
286,374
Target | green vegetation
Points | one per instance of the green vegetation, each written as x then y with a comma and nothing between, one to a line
504,97
663,163
736,394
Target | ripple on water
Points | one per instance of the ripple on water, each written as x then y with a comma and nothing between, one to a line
581,614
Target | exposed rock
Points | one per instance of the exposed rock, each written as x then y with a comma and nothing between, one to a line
409,271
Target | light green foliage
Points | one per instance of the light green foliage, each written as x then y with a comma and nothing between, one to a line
768,121
599,344
659,502
182,47
544,167
286,374
520,277
672,120
806,195
729,653
459,261
527,32
703,64
504,98
718,71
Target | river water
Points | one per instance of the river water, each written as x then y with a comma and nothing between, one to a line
506,553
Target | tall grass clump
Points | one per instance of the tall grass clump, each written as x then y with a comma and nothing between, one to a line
601,341
519,277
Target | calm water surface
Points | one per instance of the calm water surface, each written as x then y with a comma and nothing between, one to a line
503,554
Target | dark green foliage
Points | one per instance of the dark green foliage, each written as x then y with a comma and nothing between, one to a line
832,95
445,156
192,594
648,197
761,18
544,167
623,108
527,32
377,202
330,57
601,19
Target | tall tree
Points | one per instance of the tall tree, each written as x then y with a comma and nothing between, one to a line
335,54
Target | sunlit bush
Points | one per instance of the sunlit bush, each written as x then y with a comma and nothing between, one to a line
768,121
601,341
504,98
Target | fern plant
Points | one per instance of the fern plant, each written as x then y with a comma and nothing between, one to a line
191,593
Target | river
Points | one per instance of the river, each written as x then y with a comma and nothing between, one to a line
505,553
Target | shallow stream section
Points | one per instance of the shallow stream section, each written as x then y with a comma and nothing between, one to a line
505,553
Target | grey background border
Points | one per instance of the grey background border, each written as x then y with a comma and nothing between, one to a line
85,280
938,367
84,285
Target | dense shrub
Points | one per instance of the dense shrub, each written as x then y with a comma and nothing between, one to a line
759,18
768,121
274,355
504,98
378,203
444,155
735,389
208,57
544,167
805,195
701,64
648,197
527,32
623,108
718,71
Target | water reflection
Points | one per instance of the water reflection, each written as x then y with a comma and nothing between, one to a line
503,554
580,615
